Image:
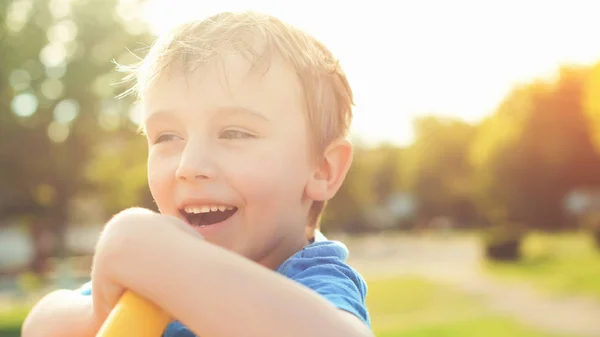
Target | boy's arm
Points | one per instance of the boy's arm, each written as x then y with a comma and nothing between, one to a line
215,292
62,313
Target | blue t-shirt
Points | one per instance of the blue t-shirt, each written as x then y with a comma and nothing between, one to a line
320,266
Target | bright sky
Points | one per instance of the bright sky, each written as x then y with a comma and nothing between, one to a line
408,58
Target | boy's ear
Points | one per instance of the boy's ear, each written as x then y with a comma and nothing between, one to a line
330,171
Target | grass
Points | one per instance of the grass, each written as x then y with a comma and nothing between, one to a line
565,264
11,320
413,307
489,327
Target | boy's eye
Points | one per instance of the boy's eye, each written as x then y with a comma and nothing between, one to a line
166,138
235,134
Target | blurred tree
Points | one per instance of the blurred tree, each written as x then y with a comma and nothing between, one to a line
388,177
592,102
375,176
57,100
118,170
347,210
497,155
534,150
438,172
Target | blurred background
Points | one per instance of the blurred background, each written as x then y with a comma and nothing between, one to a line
472,208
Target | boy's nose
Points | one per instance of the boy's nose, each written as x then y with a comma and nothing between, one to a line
196,164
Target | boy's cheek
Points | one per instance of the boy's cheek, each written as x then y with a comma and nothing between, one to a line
267,173
161,167
256,185
161,178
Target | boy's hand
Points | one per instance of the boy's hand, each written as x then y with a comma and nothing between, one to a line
126,244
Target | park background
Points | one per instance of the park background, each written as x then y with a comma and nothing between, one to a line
472,208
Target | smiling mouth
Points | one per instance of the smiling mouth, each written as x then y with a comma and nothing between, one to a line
203,216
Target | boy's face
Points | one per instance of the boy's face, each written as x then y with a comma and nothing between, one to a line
229,154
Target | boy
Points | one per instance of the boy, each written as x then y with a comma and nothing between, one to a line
246,119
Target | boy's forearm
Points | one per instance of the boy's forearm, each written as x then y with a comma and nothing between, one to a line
62,313
217,293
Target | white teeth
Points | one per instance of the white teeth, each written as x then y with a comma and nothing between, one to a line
197,209
207,208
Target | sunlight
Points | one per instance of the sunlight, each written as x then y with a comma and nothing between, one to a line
454,59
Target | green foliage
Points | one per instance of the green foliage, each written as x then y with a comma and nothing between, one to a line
118,169
533,151
438,172
592,103
57,104
374,176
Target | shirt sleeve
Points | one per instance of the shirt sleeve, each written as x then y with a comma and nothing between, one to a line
333,279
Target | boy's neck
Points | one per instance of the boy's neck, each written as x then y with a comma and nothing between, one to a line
283,251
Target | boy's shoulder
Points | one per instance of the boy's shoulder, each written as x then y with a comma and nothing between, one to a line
322,266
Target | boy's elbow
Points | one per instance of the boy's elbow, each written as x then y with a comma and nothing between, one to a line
34,322
48,318
366,333
358,328
28,327
31,327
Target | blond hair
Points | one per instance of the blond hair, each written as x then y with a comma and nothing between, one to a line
327,94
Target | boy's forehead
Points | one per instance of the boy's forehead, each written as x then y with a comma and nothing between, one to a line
229,74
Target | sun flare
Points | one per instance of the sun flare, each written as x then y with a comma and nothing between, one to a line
406,59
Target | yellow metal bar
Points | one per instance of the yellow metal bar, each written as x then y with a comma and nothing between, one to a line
134,316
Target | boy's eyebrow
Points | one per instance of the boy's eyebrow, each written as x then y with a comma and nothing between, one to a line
156,116
229,110
242,110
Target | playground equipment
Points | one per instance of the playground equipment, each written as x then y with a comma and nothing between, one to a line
134,316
